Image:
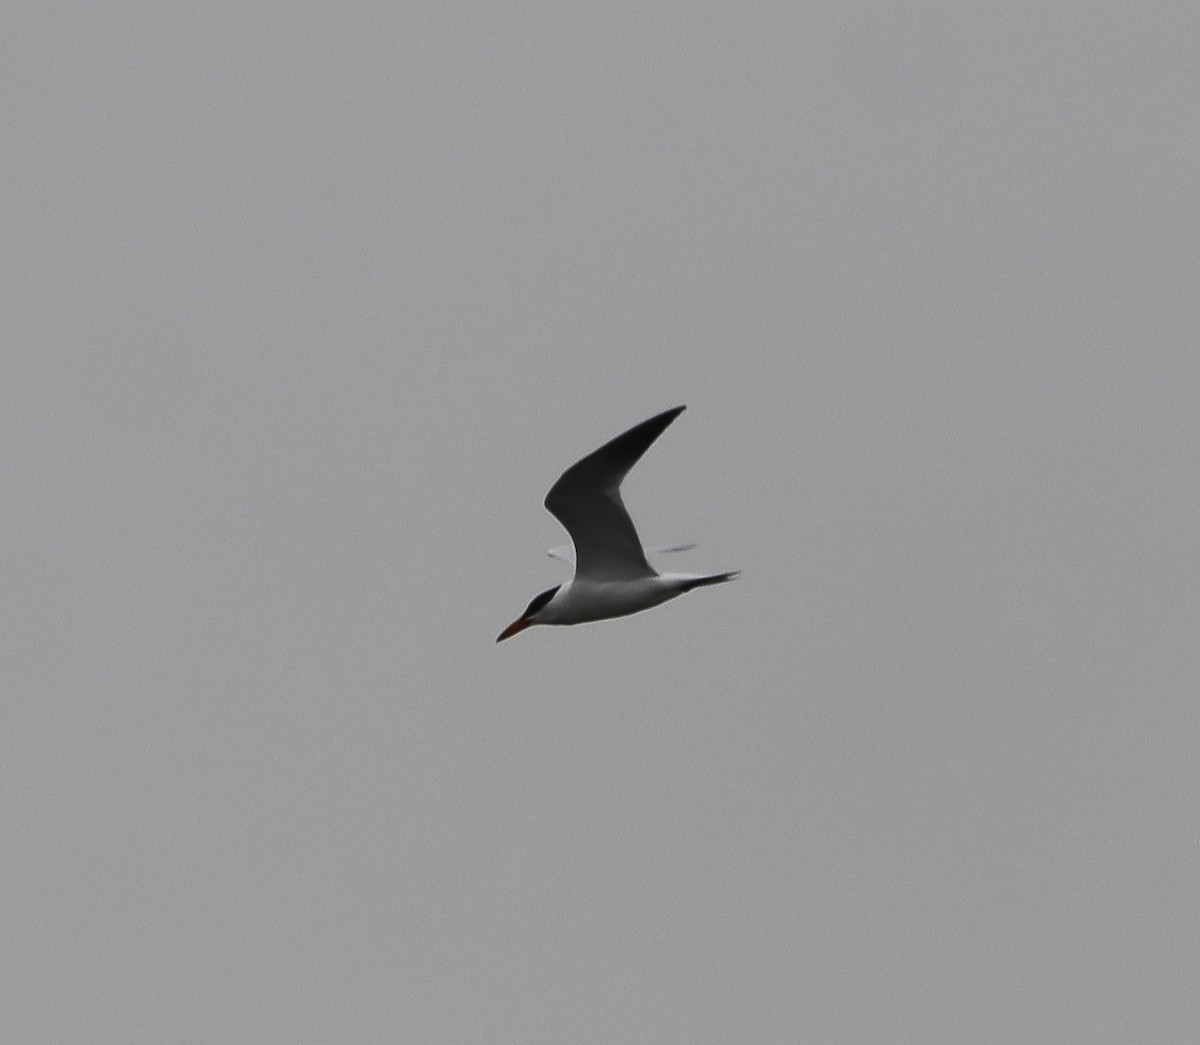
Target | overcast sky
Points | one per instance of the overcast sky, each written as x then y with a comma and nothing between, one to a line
304,309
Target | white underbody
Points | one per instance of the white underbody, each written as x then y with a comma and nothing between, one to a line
585,599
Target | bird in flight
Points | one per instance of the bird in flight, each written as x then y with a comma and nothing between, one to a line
612,577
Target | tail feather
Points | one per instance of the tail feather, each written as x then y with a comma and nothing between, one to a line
715,578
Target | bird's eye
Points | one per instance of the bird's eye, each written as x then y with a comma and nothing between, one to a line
541,600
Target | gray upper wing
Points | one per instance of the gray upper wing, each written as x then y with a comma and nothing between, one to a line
587,501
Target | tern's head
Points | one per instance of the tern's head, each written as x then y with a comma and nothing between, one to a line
530,615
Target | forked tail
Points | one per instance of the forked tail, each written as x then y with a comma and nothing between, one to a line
715,578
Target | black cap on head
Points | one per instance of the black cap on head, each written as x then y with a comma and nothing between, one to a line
539,601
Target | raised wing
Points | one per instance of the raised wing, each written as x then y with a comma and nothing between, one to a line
587,501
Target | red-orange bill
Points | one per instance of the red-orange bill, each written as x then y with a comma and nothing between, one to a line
520,624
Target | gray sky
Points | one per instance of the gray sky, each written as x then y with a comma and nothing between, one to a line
305,307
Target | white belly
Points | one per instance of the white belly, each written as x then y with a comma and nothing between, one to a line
581,601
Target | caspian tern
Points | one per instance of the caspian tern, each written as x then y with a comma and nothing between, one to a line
612,577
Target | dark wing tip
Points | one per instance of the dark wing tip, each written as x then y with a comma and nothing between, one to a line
606,467
629,446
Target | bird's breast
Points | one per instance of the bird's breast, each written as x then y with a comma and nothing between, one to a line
585,600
